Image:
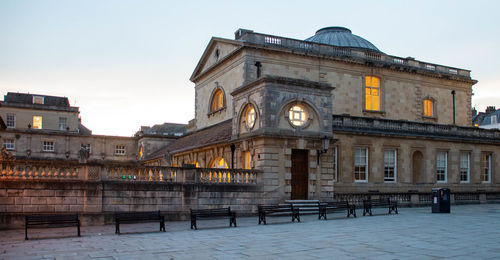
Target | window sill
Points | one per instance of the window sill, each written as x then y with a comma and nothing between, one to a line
389,181
374,112
43,151
440,181
429,118
360,181
216,111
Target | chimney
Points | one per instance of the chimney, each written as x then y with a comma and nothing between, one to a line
490,109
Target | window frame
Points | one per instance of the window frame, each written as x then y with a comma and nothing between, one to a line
247,111
366,164
63,120
379,88
489,158
38,100
394,166
467,172
41,122
214,100
13,120
444,168
120,150
12,145
305,112
48,146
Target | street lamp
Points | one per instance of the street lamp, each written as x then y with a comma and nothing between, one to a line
325,141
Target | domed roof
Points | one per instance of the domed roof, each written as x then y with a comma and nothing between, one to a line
341,37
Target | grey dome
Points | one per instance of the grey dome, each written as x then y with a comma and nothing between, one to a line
341,37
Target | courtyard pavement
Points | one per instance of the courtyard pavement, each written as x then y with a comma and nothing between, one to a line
468,232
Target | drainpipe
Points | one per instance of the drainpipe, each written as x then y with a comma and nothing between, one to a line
453,94
233,147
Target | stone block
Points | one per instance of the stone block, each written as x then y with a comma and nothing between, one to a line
7,201
46,193
288,188
3,192
46,208
30,208
38,200
22,200
14,192
268,175
288,163
54,201
61,208
288,176
69,200
76,208
14,208
288,151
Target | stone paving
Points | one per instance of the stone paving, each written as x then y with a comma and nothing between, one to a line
469,232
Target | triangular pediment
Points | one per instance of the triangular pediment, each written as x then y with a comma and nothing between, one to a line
217,49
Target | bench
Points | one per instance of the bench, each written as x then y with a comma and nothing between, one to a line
326,207
276,211
379,203
212,214
305,207
138,217
50,221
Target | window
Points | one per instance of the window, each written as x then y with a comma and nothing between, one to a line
335,163
62,123
195,164
361,165
8,143
250,116
390,158
141,152
120,150
372,93
37,122
38,100
493,119
441,166
11,120
247,158
217,100
464,167
428,108
48,146
86,147
297,115
219,162
485,167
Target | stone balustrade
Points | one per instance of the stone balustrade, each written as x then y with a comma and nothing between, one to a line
39,170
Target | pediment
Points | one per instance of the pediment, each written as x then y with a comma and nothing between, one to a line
216,50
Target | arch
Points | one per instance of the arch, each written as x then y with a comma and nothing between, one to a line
242,114
219,162
217,99
312,111
417,166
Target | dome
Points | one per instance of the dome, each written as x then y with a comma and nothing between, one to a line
341,37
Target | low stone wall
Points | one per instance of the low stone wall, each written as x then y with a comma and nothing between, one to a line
97,201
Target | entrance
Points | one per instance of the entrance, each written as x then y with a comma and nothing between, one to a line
300,174
417,166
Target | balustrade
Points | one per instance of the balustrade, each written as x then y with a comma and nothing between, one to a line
38,170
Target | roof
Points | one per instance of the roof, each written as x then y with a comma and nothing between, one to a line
164,129
487,118
24,98
218,133
341,37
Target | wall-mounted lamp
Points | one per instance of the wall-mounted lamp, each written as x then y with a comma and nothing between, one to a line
28,152
67,154
325,142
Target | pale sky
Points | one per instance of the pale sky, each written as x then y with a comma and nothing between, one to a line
128,63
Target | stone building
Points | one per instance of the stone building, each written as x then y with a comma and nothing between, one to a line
333,114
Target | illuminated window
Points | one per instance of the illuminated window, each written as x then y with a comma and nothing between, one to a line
247,159
441,166
8,143
250,116
464,167
11,120
120,150
38,100
361,164
217,100
428,108
390,158
86,147
141,152
63,123
297,115
195,163
219,162
486,167
48,146
37,122
372,93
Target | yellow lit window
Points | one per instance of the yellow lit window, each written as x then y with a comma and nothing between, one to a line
297,115
428,108
219,162
250,117
247,158
141,152
195,163
37,122
217,100
372,93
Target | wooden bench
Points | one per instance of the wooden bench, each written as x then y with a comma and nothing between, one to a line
379,203
276,211
138,217
51,221
212,214
326,207
305,207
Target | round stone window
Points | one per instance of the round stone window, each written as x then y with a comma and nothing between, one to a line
297,115
250,116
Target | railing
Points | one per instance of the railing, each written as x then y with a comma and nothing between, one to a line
361,55
38,170
211,175
369,124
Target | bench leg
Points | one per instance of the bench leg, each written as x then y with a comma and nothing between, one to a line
117,228
26,233
396,209
193,223
78,228
232,220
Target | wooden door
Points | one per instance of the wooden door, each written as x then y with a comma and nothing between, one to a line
300,174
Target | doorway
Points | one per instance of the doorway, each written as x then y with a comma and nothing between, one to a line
417,160
300,174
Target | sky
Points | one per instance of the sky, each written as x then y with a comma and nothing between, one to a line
127,64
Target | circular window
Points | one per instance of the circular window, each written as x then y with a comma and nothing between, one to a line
250,117
297,115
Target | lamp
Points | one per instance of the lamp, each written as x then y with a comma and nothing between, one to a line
325,141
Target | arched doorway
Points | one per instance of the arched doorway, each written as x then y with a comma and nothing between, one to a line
417,167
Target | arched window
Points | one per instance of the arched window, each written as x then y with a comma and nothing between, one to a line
219,162
218,101
429,107
141,152
372,93
250,116
297,115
